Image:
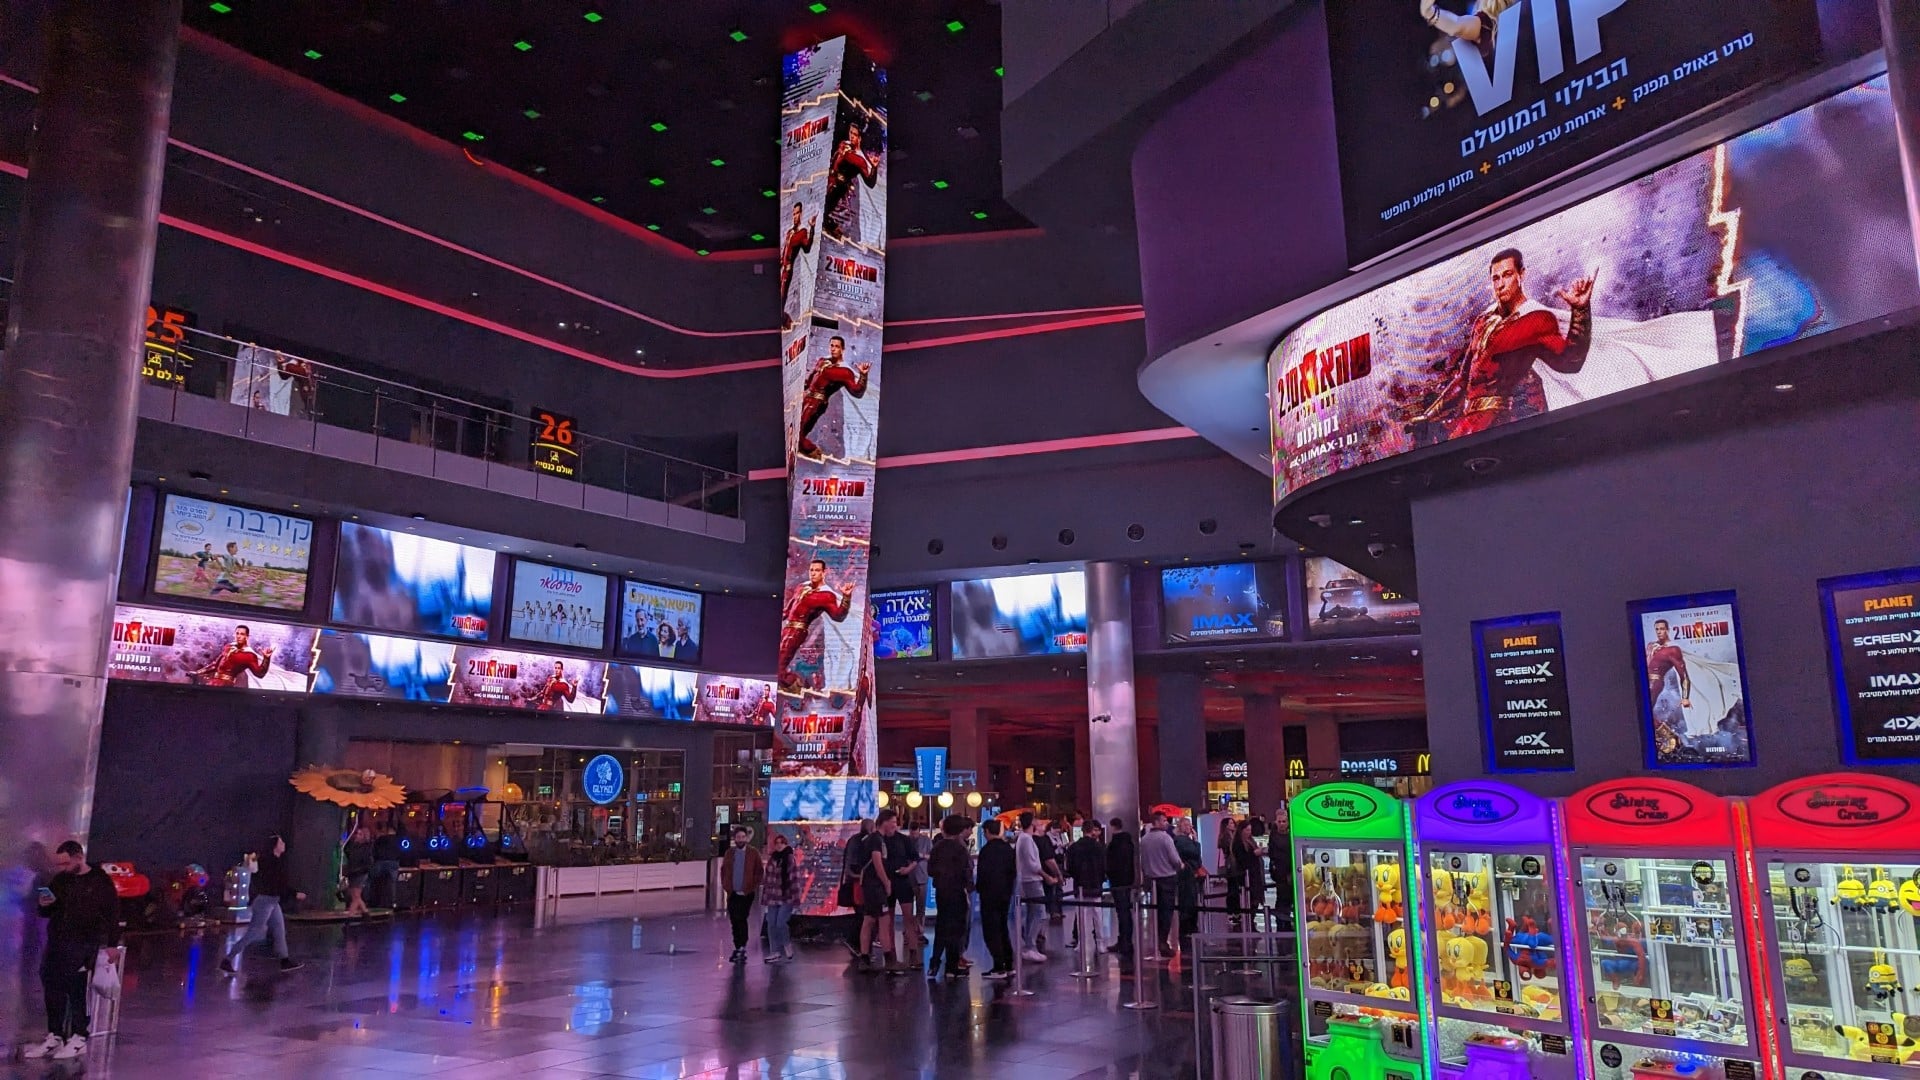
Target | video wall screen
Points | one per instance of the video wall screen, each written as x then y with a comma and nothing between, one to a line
731,699
1027,615
1342,602
656,621
822,798
553,605
903,624
386,580
195,649
1223,603
504,679
650,693
232,554
1716,257
1446,108
351,664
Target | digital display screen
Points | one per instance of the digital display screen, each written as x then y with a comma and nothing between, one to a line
1693,696
730,699
1029,615
650,693
1341,602
553,605
1873,621
903,624
215,551
193,649
502,679
1524,707
1228,602
1716,257
822,798
410,584
1441,116
350,664
656,621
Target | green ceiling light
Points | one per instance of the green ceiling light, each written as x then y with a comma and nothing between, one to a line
817,8
702,251
653,228
657,126
769,193
532,114
718,163
397,99
940,184
708,210
738,35
472,136
598,199
979,215
757,237
956,26
923,96
594,16
1000,72
523,45
311,54
218,8
656,181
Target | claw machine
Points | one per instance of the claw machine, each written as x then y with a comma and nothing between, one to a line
1494,908
1839,858
1661,905
1361,993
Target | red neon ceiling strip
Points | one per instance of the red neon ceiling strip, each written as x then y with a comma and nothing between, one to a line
988,453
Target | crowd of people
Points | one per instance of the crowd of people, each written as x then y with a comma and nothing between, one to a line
1020,876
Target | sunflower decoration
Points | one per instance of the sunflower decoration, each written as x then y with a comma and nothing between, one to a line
362,789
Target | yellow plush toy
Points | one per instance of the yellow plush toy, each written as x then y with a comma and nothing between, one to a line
1910,897
1397,952
1479,911
1386,886
1860,1049
1465,963
1443,899
1882,892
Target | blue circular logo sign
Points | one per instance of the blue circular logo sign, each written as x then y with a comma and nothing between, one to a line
603,779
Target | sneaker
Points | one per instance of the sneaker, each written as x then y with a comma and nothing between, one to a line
789,954
1034,956
998,974
226,966
775,958
75,1046
739,956
43,1048
290,964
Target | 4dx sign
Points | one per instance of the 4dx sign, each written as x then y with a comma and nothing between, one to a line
556,450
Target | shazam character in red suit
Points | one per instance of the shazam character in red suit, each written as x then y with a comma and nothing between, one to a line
850,163
804,608
829,377
556,690
235,661
799,241
1494,381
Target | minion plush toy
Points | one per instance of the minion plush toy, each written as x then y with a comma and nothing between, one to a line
1882,893
1386,886
1882,980
1850,893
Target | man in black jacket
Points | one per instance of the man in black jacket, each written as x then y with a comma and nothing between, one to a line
1087,866
1123,872
995,881
82,912
950,866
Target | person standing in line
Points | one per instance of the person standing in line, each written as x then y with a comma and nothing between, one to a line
82,912
1123,873
779,892
876,889
910,896
1231,867
1087,866
1033,878
1193,871
996,880
1160,864
271,891
1280,865
742,872
356,865
852,859
1053,850
1252,834
951,868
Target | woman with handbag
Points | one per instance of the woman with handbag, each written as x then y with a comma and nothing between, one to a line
779,892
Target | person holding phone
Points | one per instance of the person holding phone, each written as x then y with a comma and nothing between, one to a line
82,912
270,888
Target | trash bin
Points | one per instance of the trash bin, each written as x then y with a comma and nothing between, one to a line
1250,1040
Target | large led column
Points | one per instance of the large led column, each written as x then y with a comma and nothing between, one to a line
833,249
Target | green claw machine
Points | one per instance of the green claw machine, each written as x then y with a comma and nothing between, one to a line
1361,993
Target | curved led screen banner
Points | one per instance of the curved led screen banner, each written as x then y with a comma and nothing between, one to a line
1784,232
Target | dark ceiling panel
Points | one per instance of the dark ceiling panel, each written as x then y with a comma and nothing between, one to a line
629,104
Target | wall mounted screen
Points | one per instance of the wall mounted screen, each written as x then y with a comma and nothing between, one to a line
1693,694
351,664
1224,603
903,624
1721,255
650,693
553,605
1029,615
409,584
656,621
503,679
1342,602
1444,109
233,554
731,699
196,649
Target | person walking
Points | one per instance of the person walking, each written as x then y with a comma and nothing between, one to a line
779,892
1193,873
356,865
1087,866
82,912
996,879
1160,864
951,868
1033,877
852,860
266,914
1123,873
741,870
876,888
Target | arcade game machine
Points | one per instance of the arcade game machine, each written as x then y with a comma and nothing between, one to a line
515,872
479,879
440,864
1360,950
1662,887
1839,859
1494,911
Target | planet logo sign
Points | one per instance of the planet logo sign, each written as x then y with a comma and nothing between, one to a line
602,780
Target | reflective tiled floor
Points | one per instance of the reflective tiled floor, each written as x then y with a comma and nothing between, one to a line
600,992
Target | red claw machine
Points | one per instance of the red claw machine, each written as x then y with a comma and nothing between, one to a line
1662,890
1839,855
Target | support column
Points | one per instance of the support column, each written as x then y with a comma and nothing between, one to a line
1266,754
1323,748
313,836
68,389
1111,731
1900,33
1083,770
967,742
1183,738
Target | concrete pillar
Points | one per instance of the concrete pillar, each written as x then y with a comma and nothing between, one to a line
1266,753
967,741
1900,33
1183,738
1083,770
1323,748
313,836
68,390
1112,733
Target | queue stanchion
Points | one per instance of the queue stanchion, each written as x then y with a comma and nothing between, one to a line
1143,933
1087,934
1149,909
1020,918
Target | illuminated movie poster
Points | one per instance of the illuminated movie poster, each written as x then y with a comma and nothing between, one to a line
213,551
1227,602
656,621
1341,602
1693,694
411,584
833,229
554,605
352,664
731,699
503,679
650,693
821,798
190,649
1021,615
903,624
1716,257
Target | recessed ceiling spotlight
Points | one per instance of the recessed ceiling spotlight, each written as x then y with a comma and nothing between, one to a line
1783,387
